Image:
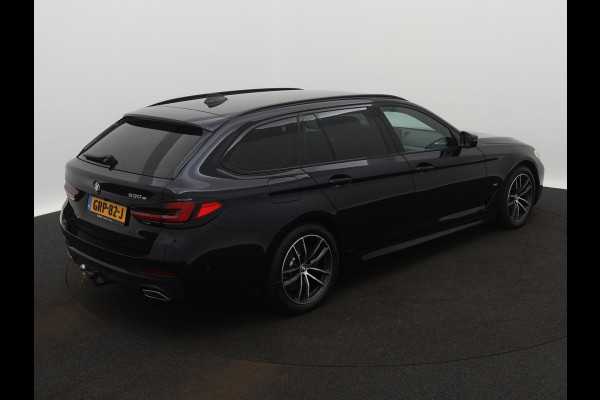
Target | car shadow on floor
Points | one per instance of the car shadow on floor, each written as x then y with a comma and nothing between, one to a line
475,292
224,304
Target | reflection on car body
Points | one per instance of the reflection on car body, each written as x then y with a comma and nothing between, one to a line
278,188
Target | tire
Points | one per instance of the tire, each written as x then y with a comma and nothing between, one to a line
516,198
302,270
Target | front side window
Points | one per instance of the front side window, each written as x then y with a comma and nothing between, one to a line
269,147
342,135
417,131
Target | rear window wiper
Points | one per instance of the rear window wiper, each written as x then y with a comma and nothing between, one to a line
109,160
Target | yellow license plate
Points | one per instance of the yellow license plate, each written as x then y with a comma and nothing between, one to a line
107,209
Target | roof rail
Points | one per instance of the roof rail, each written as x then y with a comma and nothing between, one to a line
322,99
202,96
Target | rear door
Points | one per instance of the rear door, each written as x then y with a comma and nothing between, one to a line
450,181
353,160
127,167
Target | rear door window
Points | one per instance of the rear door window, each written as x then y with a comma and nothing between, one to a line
315,145
342,135
145,147
269,147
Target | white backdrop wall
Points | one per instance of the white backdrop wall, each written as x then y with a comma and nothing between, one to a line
491,66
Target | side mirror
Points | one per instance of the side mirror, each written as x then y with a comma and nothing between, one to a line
468,140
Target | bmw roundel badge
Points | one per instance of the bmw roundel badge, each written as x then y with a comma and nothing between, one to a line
97,187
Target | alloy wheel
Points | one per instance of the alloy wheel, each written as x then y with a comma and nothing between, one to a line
520,196
306,269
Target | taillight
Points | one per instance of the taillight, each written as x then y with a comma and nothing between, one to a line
72,193
177,212
208,208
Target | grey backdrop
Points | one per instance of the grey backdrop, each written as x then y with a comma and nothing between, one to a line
490,66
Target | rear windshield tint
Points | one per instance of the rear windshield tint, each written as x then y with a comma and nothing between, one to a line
145,147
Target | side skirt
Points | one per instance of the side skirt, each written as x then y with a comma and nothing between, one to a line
419,240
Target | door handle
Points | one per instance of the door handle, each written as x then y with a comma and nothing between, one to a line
424,167
339,180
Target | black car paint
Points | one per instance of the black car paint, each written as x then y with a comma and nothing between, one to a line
372,206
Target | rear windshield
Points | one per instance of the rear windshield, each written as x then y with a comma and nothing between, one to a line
143,147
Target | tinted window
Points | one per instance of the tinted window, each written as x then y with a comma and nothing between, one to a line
268,147
353,133
146,147
315,144
417,131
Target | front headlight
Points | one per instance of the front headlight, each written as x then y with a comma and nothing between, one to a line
537,154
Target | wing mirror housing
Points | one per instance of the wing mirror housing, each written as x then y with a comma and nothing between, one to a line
468,140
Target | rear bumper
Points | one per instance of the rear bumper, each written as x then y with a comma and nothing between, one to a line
170,286
201,258
125,267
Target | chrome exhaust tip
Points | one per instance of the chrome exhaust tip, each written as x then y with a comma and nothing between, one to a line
155,294
82,267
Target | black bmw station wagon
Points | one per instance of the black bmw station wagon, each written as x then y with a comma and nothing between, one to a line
280,188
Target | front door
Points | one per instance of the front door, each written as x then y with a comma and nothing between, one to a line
450,180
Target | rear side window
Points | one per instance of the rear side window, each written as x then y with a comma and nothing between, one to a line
144,147
268,147
315,146
350,134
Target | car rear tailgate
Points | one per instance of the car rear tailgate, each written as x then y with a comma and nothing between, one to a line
121,188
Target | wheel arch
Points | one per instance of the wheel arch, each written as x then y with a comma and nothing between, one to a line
328,221
532,167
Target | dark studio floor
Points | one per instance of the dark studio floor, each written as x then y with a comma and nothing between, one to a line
479,314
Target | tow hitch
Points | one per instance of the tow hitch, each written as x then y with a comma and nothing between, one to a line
91,278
